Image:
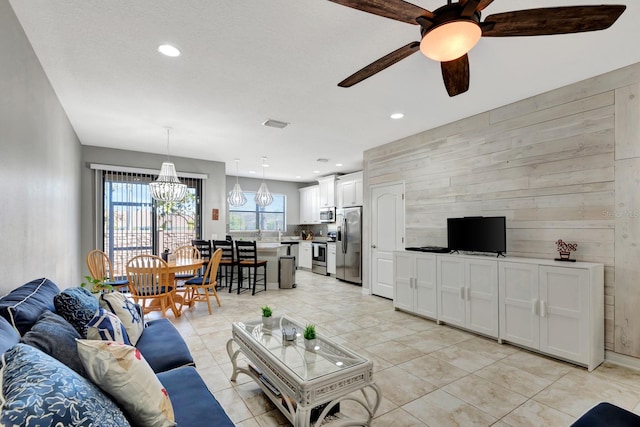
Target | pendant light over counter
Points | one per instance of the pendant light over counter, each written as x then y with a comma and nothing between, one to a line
263,196
168,188
236,196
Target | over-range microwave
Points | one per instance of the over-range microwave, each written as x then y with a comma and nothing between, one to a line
327,214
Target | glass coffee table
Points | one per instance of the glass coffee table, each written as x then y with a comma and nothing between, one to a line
303,383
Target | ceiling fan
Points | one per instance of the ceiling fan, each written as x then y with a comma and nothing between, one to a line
452,30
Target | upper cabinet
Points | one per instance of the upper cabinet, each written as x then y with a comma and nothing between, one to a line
327,191
350,190
309,201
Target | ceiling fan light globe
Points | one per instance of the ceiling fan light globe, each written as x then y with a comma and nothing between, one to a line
450,40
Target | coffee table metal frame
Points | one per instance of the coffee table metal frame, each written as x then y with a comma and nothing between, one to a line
354,373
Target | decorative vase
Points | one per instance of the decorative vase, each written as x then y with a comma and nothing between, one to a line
267,322
310,345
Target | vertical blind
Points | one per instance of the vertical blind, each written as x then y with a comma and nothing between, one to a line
132,223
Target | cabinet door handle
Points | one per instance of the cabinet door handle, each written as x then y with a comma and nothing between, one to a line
414,282
468,293
543,308
534,307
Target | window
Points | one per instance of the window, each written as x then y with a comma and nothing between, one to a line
133,223
253,217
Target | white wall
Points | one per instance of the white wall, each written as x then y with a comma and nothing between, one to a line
39,170
214,194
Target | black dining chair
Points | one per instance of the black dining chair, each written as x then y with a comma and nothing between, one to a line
204,246
247,256
228,262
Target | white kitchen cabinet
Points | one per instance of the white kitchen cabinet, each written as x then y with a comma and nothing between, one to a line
309,205
331,258
552,308
415,283
467,293
306,255
350,190
327,191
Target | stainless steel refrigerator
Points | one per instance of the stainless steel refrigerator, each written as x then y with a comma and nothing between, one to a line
349,245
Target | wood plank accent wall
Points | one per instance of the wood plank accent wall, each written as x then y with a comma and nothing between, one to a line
561,165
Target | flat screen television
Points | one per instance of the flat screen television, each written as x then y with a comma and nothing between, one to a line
477,234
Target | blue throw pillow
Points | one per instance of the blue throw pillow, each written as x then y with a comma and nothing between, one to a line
39,390
8,336
56,337
106,326
77,306
22,306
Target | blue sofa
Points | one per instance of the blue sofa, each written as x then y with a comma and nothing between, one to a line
160,344
607,415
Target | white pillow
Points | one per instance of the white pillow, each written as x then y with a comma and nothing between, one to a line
121,371
130,314
106,326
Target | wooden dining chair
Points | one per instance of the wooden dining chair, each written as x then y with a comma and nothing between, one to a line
149,282
228,262
100,268
247,256
201,288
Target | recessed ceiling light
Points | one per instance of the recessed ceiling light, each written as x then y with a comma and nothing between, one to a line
168,50
338,164
298,177
252,171
266,165
396,116
316,171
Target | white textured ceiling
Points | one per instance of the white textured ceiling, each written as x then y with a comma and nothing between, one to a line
244,61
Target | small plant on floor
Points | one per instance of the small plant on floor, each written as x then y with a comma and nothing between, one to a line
309,332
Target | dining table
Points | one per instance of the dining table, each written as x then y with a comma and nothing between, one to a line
179,265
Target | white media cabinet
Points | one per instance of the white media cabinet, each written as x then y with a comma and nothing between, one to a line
553,307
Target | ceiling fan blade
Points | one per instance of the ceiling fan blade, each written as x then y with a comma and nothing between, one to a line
399,10
551,20
471,6
380,64
483,4
468,7
456,75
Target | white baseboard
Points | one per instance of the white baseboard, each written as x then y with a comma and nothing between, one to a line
621,359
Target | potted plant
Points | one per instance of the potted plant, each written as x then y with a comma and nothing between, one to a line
267,317
96,286
309,335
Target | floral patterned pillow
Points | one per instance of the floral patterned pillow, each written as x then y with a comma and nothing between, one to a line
77,306
121,371
39,390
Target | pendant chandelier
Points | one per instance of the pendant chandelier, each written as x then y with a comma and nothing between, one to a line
236,196
168,188
263,196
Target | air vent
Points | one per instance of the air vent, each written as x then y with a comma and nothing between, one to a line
275,124
321,160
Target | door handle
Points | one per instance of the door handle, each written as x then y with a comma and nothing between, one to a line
373,246
543,308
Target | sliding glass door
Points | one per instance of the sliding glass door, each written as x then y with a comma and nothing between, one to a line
134,223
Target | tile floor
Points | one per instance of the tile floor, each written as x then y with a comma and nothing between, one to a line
430,375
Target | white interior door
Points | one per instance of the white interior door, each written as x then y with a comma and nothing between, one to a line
387,235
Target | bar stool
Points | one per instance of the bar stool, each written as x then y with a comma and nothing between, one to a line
228,262
247,256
